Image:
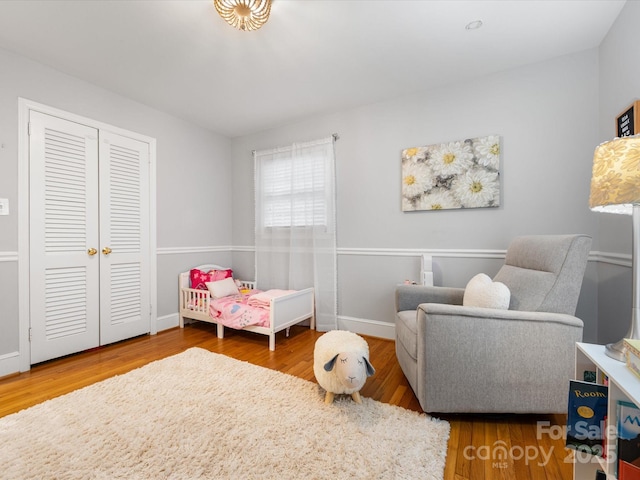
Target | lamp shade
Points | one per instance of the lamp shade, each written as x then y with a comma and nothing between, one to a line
615,182
244,14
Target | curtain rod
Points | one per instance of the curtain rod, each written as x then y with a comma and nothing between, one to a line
335,137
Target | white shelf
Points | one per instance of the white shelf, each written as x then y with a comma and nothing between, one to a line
618,371
623,385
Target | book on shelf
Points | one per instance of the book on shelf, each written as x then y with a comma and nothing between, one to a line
587,417
589,376
628,441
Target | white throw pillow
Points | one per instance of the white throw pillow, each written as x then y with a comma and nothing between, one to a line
481,291
223,288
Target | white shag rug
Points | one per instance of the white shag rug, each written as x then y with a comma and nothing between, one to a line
201,415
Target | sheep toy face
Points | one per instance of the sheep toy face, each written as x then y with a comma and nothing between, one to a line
350,369
341,364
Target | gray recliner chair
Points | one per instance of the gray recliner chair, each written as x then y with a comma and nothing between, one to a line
520,360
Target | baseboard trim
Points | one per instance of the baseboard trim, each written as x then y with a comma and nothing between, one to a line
168,321
9,363
364,326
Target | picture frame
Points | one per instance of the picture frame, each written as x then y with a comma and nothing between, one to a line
628,122
452,175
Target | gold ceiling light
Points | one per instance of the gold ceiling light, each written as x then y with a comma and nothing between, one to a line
244,14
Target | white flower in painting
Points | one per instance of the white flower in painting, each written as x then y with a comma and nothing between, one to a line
438,199
451,158
414,154
477,188
416,179
488,151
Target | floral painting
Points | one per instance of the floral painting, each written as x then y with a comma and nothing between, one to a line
461,174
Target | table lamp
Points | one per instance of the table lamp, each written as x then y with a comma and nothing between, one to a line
615,188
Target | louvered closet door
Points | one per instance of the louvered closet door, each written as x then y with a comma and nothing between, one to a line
125,309
64,275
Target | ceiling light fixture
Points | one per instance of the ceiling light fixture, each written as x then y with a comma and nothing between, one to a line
476,24
244,14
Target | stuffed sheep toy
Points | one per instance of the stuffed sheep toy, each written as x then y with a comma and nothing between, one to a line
341,364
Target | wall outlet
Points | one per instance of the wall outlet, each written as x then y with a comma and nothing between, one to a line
4,206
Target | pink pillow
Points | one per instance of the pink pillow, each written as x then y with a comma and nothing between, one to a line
199,278
221,274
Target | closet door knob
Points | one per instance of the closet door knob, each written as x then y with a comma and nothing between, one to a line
106,250
92,251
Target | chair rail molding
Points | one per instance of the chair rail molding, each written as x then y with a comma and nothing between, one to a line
187,250
8,256
621,259
417,252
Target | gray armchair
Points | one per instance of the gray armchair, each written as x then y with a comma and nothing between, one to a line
472,359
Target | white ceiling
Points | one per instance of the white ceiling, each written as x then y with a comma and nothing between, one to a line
312,56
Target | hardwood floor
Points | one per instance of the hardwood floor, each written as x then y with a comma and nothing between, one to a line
481,447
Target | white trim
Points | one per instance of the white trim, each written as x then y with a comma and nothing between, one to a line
364,326
186,250
166,322
621,259
245,248
9,363
616,258
415,252
153,241
379,252
23,235
8,256
24,107
27,105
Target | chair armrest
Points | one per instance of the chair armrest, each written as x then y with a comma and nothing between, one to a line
457,311
408,297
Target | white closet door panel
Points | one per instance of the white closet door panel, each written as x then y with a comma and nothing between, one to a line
125,308
64,290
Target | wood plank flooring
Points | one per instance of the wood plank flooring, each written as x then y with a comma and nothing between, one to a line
481,447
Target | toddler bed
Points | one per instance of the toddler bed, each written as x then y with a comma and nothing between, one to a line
244,307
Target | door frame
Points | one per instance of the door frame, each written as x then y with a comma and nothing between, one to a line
24,107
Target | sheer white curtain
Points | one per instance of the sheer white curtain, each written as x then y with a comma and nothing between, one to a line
296,223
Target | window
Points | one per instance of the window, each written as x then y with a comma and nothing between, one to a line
295,223
293,189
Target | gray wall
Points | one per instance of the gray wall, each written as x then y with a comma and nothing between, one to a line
547,115
619,87
193,173
550,116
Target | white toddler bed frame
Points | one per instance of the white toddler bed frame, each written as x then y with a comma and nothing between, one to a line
284,311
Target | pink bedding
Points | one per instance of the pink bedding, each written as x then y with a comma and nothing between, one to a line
250,308
234,312
263,299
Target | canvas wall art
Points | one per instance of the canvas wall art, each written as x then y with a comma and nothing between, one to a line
460,174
